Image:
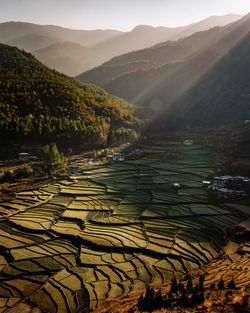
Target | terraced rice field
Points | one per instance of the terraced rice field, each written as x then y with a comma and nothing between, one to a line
110,231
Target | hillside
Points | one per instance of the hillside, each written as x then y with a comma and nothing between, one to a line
103,44
67,57
151,59
116,229
10,32
166,72
33,42
229,299
38,103
144,36
223,94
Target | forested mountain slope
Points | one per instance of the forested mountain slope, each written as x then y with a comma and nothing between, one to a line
67,57
38,103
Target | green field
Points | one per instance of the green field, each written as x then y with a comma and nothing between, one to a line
111,230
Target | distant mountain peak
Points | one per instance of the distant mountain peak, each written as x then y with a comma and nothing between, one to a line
143,27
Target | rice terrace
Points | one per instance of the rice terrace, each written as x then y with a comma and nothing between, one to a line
112,230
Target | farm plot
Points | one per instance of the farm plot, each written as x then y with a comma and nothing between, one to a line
112,230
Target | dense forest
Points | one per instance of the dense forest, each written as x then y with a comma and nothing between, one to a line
36,102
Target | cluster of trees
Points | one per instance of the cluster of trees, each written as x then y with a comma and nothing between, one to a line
38,102
124,135
20,172
52,159
102,152
180,295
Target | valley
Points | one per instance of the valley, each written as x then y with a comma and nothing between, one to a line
125,156
113,229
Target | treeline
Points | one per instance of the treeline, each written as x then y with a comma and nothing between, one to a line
186,296
36,102
179,295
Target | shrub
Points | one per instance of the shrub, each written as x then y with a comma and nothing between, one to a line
24,171
221,284
9,174
231,284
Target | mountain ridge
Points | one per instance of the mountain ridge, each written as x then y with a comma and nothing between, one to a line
172,76
103,43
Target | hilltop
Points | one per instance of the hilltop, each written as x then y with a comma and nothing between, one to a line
103,44
38,103
67,57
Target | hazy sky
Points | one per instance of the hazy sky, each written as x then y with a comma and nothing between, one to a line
118,14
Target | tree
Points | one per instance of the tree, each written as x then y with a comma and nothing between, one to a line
148,300
70,152
169,301
140,303
8,174
201,283
189,284
200,298
220,285
194,297
173,288
24,171
231,284
158,300
183,301
52,157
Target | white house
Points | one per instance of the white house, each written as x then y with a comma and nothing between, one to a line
222,180
115,157
229,193
188,142
206,182
221,185
24,156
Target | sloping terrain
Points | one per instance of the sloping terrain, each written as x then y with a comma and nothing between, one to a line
223,95
144,36
68,57
111,230
232,264
36,102
103,44
164,73
147,61
32,42
10,32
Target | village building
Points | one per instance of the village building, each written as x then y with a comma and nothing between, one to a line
115,157
229,193
228,186
223,180
188,142
24,156
206,183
